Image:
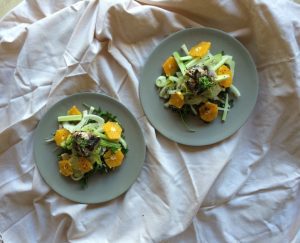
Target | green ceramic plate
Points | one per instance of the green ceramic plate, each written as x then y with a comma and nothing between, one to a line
100,188
169,123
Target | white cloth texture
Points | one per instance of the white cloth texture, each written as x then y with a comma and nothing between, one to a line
243,189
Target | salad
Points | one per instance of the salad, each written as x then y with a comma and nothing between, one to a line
198,82
89,141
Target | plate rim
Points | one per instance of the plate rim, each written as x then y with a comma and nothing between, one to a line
112,100
164,40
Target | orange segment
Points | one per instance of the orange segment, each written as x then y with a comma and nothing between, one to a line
74,111
177,100
65,167
225,70
60,136
112,130
84,165
170,66
208,111
200,50
113,159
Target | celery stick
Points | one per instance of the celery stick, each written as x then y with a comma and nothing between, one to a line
185,49
193,62
109,144
225,109
92,108
235,90
221,77
199,60
223,60
69,118
213,60
179,62
222,109
123,143
186,58
102,135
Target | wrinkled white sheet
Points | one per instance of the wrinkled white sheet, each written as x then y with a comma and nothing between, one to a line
244,189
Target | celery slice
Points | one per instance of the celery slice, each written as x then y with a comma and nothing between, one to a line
223,60
109,144
179,62
235,90
186,58
123,143
193,62
185,49
224,116
222,77
69,118
201,61
92,108
161,81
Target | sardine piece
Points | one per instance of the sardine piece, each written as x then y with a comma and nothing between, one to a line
84,143
196,72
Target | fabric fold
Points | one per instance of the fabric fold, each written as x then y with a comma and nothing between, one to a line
243,189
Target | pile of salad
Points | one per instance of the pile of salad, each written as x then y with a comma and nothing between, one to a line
197,82
89,142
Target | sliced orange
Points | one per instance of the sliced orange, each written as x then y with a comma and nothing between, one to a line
60,136
200,50
65,167
74,111
208,111
170,66
113,159
112,130
177,100
84,165
225,70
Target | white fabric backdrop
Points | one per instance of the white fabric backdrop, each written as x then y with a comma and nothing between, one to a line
244,189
